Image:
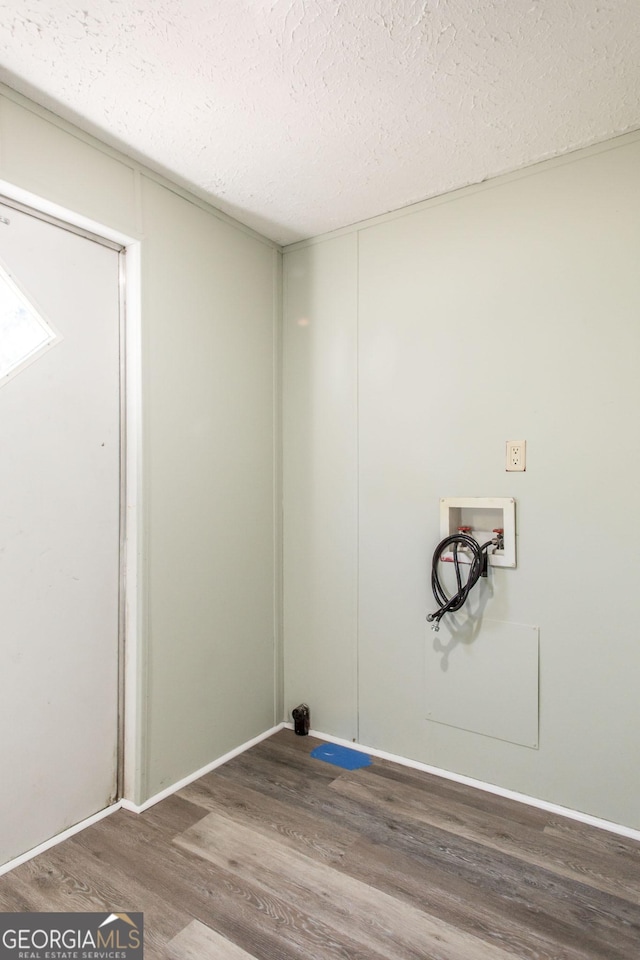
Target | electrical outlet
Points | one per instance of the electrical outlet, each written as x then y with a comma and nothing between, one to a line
516,455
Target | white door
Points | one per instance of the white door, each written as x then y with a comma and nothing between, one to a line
59,531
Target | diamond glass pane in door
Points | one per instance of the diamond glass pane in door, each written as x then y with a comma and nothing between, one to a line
24,333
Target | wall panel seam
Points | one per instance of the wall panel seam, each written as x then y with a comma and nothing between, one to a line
357,491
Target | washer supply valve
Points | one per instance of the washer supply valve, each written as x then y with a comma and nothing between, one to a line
476,556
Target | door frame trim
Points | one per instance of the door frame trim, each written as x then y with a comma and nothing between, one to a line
39,214
130,609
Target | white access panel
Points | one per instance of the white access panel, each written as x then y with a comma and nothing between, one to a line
482,676
59,540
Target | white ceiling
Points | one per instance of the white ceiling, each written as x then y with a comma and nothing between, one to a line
300,116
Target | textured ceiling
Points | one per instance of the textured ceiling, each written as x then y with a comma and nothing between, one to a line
300,116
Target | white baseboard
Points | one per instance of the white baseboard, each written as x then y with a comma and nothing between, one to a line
59,838
125,804
608,825
140,808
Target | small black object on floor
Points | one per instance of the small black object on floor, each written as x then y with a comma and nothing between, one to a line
301,719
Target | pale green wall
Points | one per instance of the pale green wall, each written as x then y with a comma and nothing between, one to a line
509,311
210,464
320,483
209,319
427,340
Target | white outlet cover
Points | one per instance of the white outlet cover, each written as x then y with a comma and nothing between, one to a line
516,459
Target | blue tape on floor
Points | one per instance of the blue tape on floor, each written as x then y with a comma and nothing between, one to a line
343,757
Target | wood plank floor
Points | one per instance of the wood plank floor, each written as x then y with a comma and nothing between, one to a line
276,856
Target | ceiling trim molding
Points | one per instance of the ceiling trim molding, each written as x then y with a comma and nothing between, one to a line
190,196
533,170
93,141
